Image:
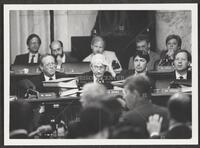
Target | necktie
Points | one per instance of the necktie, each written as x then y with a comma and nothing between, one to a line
32,59
100,81
50,78
181,77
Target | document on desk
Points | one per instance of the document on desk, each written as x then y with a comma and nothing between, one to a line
61,79
68,92
62,83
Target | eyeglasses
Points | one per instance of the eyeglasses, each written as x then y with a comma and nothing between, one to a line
50,64
98,67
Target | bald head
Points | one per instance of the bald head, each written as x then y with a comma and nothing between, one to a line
92,92
179,106
56,48
97,45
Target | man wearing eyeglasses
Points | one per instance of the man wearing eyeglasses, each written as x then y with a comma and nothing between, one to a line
48,69
98,73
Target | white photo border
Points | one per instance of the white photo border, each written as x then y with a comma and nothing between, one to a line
175,6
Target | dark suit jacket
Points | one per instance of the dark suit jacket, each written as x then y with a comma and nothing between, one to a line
88,77
189,75
37,81
22,59
138,117
179,132
175,83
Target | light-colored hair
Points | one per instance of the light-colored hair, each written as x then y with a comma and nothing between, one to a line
97,39
99,58
44,56
92,92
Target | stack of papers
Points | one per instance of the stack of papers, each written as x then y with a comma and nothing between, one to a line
118,83
68,92
61,83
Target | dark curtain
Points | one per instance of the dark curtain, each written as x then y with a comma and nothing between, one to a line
129,23
125,24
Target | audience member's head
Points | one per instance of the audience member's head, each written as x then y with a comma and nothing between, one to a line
114,105
56,48
95,121
33,42
92,92
182,60
173,42
47,65
136,90
143,42
140,59
179,106
98,65
20,115
97,44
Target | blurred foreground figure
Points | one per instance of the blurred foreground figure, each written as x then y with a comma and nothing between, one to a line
92,92
137,96
179,106
20,119
95,121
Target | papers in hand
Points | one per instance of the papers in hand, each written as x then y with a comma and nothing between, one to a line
62,83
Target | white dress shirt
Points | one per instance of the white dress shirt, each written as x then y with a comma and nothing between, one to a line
47,78
35,60
178,75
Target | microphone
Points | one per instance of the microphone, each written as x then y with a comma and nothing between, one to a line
31,93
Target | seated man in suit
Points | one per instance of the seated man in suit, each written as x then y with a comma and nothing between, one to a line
179,106
60,56
182,60
98,46
140,62
181,63
137,90
98,73
32,57
48,68
143,43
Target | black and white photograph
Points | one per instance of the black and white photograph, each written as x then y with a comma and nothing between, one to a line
101,74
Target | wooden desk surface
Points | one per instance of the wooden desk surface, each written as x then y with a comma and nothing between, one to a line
75,68
54,100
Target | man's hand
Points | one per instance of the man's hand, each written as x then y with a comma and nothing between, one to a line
154,124
59,60
170,54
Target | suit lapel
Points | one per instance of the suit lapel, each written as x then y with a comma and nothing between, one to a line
26,58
